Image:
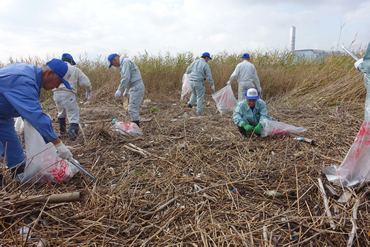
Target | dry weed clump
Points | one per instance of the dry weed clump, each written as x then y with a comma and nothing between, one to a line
194,182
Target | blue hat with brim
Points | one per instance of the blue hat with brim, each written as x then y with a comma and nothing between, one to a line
245,55
252,93
62,70
110,58
206,54
68,56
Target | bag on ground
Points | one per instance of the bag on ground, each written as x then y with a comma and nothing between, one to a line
43,165
271,127
355,168
225,100
185,85
129,129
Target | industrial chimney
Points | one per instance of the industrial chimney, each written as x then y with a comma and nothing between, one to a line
292,39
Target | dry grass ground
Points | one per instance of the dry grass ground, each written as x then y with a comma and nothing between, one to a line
181,192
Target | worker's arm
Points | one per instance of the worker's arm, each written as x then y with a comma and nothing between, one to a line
235,74
255,77
190,68
125,75
83,80
24,98
262,110
209,75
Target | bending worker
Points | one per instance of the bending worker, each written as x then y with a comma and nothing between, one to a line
20,86
66,100
199,70
132,83
250,112
246,74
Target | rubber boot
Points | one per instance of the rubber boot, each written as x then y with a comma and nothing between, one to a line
62,126
137,122
73,131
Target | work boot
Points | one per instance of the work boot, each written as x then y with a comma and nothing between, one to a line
137,122
17,172
2,182
190,106
62,126
73,131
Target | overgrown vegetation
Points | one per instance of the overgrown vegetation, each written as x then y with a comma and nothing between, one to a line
330,80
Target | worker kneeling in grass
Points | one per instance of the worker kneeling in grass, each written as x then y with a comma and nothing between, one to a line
249,113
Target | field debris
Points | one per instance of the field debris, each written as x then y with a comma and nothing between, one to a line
148,192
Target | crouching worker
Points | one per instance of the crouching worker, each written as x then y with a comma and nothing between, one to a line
249,113
66,99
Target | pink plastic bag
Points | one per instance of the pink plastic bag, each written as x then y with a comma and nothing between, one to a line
271,127
225,100
355,168
43,165
129,129
185,85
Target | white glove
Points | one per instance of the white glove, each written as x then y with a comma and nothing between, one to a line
358,62
213,88
88,95
228,83
118,93
63,152
125,93
260,89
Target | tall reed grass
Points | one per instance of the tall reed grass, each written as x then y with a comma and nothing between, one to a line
330,79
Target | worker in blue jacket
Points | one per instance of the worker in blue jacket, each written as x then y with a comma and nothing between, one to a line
250,112
20,86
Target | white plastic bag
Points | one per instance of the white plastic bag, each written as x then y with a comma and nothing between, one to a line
19,127
271,127
225,100
43,165
185,85
355,168
127,129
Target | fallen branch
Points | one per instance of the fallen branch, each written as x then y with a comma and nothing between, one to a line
56,198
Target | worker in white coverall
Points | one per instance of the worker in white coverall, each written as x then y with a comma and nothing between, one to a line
199,70
130,81
66,100
246,74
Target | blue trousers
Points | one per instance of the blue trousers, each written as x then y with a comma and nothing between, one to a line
197,92
10,145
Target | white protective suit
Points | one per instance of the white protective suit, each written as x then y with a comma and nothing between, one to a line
198,70
246,74
66,99
131,80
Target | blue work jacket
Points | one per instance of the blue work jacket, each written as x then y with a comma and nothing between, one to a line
20,86
244,114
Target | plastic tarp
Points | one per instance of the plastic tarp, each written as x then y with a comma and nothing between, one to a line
185,85
225,100
355,168
43,165
271,127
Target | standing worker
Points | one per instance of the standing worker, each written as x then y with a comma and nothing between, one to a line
20,86
132,83
250,112
66,99
246,74
199,70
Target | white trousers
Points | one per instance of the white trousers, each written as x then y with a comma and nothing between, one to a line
136,96
243,86
67,106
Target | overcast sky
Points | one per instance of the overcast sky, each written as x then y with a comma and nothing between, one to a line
96,27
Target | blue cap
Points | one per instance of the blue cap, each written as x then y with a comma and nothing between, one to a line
68,56
245,55
62,70
252,93
206,54
110,58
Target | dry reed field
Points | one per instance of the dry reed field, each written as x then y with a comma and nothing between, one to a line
194,180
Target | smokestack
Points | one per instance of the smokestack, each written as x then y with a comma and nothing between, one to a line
292,39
